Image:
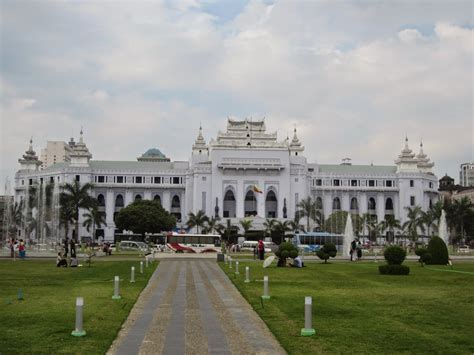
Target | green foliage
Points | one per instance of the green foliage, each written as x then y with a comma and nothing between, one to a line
336,223
423,254
197,220
438,251
144,216
395,255
425,258
327,251
394,269
286,250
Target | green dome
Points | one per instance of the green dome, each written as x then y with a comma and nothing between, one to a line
153,153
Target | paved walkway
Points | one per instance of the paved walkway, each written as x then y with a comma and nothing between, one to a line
191,307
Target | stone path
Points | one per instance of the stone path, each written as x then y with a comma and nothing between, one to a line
191,307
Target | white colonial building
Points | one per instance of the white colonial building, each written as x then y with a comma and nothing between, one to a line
243,172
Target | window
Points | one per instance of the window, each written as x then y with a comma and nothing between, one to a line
319,203
157,180
353,182
138,197
119,179
412,200
41,180
371,205
203,202
175,180
100,178
319,182
371,182
296,179
388,183
101,200
78,178
51,180
336,204
336,182
119,201
354,205
412,183
30,182
23,182
138,179
389,204
203,178
431,185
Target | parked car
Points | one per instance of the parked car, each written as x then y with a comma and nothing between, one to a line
130,245
464,249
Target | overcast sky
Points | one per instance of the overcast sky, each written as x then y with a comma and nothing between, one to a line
354,76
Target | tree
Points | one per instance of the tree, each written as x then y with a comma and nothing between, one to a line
327,251
428,219
94,218
197,220
269,225
227,229
336,222
414,222
307,208
246,225
77,197
461,208
286,250
66,214
280,228
144,216
211,225
391,223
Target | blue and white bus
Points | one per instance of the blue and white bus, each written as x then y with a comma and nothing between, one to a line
312,241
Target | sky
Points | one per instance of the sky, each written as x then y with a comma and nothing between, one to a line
354,77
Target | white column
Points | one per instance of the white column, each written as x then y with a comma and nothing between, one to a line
166,203
380,206
327,204
261,200
345,203
128,197
396,206
362,203
147,195
239,199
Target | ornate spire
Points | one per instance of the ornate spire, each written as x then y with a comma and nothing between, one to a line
407,153
30,159
423,161
200,139
295,142
80,154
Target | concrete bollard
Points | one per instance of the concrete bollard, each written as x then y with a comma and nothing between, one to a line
141,267
116,295
308,329
237,268
19,295
230,262
225,259
146,262
132,276
265,296
79,331
247,274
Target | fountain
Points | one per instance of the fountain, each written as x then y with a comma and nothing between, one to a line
348,237
443,228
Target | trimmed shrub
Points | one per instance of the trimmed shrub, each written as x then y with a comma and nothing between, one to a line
394,269
421,252
327,251
286,250
438,251
395,255
425,258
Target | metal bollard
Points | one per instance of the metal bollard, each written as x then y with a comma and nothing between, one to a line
79,331
230,262
141,267
237,268
265,296
116,295
247,274
132,276
308,329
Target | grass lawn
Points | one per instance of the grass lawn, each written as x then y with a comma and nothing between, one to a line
43,321
357,310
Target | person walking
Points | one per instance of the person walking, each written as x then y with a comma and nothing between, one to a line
261,250
353,250
22,249
12,248
66,247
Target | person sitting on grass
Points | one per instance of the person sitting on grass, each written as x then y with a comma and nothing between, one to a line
61,260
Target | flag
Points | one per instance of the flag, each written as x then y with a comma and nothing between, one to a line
256,189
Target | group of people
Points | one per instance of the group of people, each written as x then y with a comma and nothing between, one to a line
356,250
17,247
68,246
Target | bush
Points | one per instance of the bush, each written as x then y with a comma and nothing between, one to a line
438,251
394,269
286,250
421,252
425,258
327,251
395,255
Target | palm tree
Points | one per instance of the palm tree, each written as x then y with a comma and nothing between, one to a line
197,220
211,225
269,225
415,222
77,197
391,223
93,218
428,219
281,228
246,225
307,208
66,216
461,208
436,209
227,229
16,217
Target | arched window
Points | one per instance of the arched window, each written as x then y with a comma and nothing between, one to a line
319,203
138,197
119,201
175,203
389,204
101,200
371,204
250,204
354,204
229,204
271,205
157,198
431,203
336,204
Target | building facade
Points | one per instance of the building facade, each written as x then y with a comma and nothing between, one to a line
56,152
244,172
466,175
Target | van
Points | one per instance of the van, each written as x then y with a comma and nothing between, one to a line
130,245
250,245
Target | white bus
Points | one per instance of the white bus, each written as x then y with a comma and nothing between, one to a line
312,241
193,243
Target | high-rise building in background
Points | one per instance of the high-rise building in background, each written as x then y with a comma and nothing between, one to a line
466,175
56,152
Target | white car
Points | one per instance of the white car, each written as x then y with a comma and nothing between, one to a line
130,245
